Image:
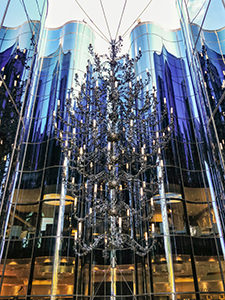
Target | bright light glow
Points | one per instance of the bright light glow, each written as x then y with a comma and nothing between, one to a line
161,12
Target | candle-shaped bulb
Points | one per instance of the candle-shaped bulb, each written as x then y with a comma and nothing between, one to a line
94,123
152,202
130,84
64,162
171,110
164,100
120,222
109,146
116,84
79,228
128,212
146,236
121,187
75,235
75,202
95,188
90,210
81,151
131,123
58,102
153,227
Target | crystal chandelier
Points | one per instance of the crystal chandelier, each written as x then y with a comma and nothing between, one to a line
112,134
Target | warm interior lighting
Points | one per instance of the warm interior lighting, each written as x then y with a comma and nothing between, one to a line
54,199
170,197
13,263
42,282
163,259
211,259
178,258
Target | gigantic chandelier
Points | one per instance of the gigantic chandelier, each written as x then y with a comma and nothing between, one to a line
112,133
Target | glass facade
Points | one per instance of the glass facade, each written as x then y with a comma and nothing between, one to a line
194,168
37,260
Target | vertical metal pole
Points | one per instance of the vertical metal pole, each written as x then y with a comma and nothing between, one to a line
60,224
113,275
166,233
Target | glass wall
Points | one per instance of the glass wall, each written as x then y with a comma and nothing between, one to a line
19,42
207,67
31,263
37,256
18,49
193,245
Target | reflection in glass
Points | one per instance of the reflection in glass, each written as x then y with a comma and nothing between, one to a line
188,260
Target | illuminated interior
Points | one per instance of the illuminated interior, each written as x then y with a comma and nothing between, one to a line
37,258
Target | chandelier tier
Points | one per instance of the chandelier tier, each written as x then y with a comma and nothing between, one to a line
112,133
